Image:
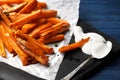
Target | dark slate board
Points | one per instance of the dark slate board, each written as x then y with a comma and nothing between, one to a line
73,58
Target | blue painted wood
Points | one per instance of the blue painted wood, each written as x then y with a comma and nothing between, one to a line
105,16
102,14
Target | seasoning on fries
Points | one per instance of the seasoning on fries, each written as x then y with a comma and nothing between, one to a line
26,27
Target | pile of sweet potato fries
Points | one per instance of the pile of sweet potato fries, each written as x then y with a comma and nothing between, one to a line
26,26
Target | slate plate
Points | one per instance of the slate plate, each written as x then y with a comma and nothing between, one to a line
71,60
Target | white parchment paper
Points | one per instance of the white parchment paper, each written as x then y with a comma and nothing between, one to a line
67,10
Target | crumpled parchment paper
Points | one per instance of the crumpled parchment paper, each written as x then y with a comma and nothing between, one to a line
67,10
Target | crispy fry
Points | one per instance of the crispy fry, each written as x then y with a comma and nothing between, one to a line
5,39
14,16
26,19
40,58
4,17
73,46
48,13
11,40
35,32
26,59
7,29
26,28
10,1
39,21
46,49
34,48
41,5
56,29
55,38
29,7
5,7
2,49
12,46
32,43
15,8
55,20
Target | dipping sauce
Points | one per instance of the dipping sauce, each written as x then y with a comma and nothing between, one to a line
97,46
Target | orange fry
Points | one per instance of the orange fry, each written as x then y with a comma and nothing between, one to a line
35,32
74,45
13,16
48,13
41,5
4,38
4,17
26,19
11,40
29,7
55,38
10,1
15,8
55,20
54,30
40,58
5,6
2,49
38,21
26,28
11,45
26,59
32,43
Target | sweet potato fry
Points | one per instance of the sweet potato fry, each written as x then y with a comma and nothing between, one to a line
2,49
41,5
55,29
48,13
13,16
26,59
4,17
5,7
40,58
29,7
34,15
26,28
7,29
10,1
73,45
55,20
35,32
55,38
30,46
32,41
26,19
15,8
4,38
41,21
11,45
12,42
